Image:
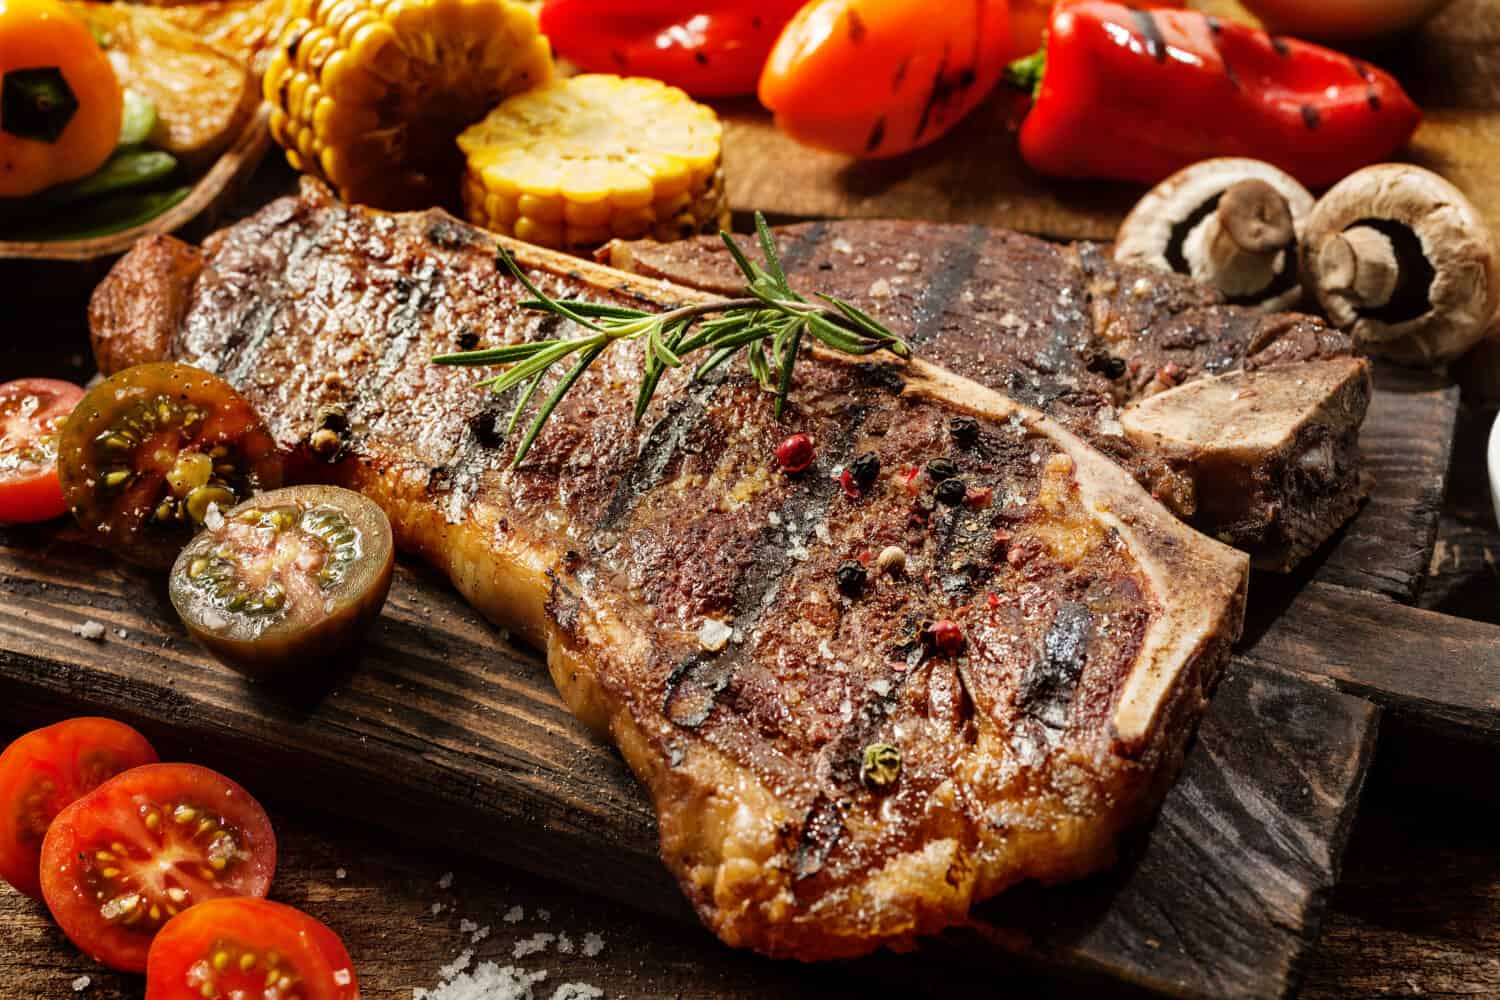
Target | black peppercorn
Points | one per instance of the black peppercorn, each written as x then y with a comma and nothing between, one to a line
952,492
864,469
941,468
851,578
965,430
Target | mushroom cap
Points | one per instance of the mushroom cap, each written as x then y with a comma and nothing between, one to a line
1155,223
1455,241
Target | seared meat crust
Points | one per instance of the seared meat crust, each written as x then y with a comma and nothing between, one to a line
687,592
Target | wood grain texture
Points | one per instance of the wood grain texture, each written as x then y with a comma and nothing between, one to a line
975,174
1407,444
444,730
1427,669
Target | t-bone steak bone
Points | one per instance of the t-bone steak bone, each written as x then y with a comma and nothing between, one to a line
687,592
1267,462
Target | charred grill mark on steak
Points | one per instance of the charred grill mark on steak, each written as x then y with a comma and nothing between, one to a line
695,685
663,445
958,260
1047,690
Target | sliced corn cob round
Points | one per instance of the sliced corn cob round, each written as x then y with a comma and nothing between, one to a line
370,94
578,162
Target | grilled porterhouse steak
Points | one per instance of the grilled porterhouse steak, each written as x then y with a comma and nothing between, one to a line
685,590
1266,461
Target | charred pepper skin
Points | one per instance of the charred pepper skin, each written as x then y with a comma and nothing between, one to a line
1138,94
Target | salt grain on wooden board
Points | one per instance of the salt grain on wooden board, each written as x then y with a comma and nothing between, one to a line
90,630
593,944
514,915
81,983
446,882
533,945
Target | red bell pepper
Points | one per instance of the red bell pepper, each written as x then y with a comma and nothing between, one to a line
1138,94
710,48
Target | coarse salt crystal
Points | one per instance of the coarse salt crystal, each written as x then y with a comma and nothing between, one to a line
880,289
577,991
81,983
564,944
593,944
446,882
480,934
821,530
713,634
538,942
213,520
487,981
514,915
437,908
881,687
341,874
545,916
842,245
466,925
91,630
458,965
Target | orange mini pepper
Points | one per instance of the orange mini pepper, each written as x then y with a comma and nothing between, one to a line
877,78
60,104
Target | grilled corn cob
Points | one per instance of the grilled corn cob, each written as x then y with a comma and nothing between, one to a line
370,94
581,161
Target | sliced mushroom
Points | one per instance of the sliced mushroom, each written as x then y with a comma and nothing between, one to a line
1400,258
1230,223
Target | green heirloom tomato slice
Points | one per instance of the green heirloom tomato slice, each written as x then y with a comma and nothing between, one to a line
151,449
288,579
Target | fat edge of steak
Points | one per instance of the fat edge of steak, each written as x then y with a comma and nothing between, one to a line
1087,340
310,305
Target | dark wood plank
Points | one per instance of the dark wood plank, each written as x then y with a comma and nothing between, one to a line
1407,443
1427,669
444,730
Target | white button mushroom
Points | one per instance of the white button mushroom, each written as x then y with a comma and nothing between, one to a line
1230,223
1398,257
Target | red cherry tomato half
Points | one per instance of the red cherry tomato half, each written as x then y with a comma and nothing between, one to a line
32,411
145,846
709,48
47,769
248,949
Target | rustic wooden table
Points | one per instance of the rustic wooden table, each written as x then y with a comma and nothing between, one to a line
1417,912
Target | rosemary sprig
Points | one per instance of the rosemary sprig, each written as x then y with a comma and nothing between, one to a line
768,323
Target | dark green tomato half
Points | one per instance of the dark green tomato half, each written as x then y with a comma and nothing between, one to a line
147,452
286,580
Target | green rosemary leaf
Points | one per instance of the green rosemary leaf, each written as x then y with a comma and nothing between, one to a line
838,338
716,359
593,310
538,363
660,350
789,361
555,397
522,398
862,320
508,354
751,271
548,302
759,366
773,259
655,369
